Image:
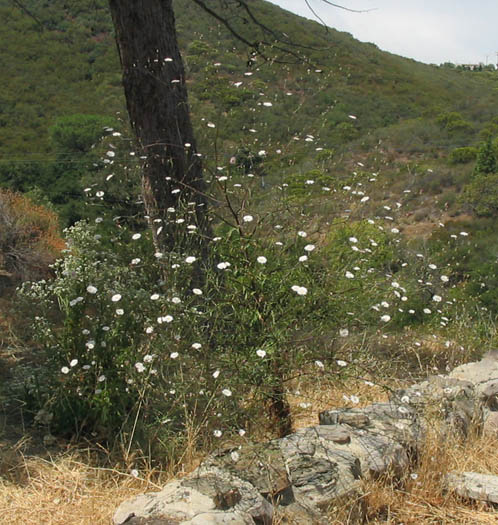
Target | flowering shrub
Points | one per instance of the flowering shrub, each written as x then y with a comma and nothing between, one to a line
138,347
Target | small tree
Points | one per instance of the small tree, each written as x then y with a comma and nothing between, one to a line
486,160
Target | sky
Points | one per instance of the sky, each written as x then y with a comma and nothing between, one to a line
431,31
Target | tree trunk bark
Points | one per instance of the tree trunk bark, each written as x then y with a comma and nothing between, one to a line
156,98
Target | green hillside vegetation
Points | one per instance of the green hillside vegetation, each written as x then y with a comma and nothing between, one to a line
60,61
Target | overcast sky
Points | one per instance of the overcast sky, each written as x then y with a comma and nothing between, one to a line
432,31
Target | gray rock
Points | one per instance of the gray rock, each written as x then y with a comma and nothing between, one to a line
480,371
174,504
472,485
229,492
490,425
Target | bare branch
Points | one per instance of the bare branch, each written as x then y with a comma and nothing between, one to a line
347,8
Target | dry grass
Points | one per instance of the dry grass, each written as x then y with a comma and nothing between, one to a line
424,500
66,491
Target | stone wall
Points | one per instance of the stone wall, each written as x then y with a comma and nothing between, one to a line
315,470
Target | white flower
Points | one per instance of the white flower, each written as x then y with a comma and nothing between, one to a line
343,332
300,290
100,193
116,297
154,297
148,358
136,236
437,298
165,319
223,265
65,370
174,355
319,364
217,433
464,234
385,318
101,379
445,278
196,291
354,399
260,353
190,259
350,275
262,259
235,456
91,289
196,346
119,311
302,234
427,311
248,218
354,240
303,258
216,373
176,300
341,363
226,392
241,432
140,367
134,472
74,362
135,261
211,125
309,247
149,330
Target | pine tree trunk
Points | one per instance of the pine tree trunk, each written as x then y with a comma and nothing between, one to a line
156,98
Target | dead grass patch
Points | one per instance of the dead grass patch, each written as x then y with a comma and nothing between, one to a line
422,498
67,490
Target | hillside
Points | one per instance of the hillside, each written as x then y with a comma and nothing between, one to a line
60,61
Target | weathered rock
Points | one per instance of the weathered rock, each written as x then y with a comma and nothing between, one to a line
397,422
262,465
453,399
230,492
490,425
472,485
320,472
174,504
203,499
479,372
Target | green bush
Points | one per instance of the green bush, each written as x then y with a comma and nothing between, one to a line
127,339
481,194
463,155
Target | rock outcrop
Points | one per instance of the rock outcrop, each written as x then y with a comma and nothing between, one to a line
316,471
